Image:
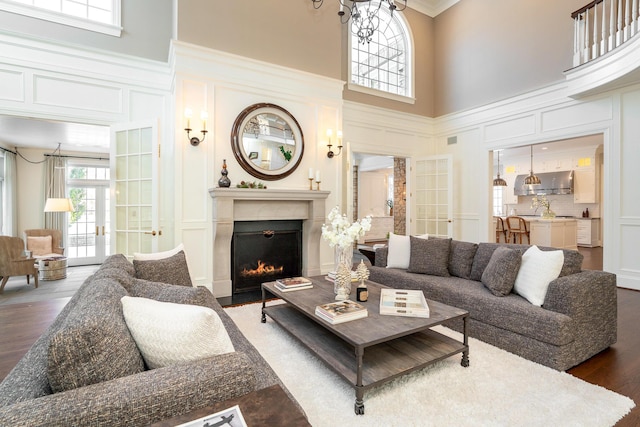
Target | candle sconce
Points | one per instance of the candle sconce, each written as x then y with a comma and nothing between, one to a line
194,140
331,154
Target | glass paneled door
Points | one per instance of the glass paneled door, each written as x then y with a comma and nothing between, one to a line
433,197
134,165
87,240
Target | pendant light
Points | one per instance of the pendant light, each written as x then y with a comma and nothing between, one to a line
531,179
499,182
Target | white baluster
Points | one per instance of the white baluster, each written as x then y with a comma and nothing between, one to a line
604,44
595,52
576,41
587,50
634,18
619,38
612,25
627,20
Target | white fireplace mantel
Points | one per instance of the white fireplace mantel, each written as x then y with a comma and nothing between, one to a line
245,204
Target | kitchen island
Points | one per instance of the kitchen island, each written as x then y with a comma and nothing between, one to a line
553,232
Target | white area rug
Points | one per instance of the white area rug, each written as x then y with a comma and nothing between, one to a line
498,389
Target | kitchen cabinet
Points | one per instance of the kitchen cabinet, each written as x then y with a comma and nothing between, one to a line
585,185
588,232
557,233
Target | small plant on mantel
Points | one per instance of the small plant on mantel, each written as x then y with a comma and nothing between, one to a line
244,184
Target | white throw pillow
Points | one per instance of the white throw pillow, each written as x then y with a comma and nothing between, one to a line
399,253
538,269
157,255
168,333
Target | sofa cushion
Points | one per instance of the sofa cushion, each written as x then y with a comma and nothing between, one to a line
170,293
461,258
39,245
538,269
138,256
94,344
168,333
502,270
173,270
399,251
429,256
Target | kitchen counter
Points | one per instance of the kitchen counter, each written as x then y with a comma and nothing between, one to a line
553,232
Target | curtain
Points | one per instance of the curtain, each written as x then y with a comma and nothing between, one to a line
11,192
55,186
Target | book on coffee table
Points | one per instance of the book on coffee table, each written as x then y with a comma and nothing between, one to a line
341,311
283,288
293,282
229,417
400,302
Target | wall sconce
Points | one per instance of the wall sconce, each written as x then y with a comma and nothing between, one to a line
194,140
331,154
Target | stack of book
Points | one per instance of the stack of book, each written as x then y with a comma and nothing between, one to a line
341,311
331,276
293,284
396,302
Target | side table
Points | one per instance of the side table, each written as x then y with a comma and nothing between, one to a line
266,407
54,268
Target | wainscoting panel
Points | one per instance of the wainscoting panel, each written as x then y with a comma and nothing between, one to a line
11,85
577,114
59,92
515,127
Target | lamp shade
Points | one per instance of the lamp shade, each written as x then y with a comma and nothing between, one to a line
58,205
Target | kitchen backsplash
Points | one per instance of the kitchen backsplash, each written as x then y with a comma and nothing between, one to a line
562,205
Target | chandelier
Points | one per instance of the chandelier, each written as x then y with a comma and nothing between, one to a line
364,14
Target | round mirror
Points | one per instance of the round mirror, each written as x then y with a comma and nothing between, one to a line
267,141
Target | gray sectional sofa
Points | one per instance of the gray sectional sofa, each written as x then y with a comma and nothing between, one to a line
577,320
89,357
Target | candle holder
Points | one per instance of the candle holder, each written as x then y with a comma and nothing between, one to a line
310,183
318,182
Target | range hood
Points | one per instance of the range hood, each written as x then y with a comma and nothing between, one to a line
550,183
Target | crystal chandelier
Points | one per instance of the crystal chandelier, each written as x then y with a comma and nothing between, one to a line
364,14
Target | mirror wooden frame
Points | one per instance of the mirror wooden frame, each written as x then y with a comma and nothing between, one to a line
245,158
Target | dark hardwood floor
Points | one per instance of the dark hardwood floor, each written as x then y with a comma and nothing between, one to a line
617,368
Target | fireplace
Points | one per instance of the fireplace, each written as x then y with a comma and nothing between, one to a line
263,251
231,205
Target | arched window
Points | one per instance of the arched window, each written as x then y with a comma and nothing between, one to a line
384,65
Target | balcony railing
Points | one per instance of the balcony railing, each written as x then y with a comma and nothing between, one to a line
603,25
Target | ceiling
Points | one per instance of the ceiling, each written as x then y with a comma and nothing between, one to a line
24,132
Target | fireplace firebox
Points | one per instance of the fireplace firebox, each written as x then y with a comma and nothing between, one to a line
262,251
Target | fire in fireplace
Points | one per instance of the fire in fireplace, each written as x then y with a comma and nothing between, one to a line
262,251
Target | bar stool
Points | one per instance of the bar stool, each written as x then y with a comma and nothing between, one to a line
500,229
517,226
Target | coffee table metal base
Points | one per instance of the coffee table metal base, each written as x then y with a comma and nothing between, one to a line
410,353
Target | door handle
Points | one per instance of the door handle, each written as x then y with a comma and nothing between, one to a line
152,232
97,228
103,230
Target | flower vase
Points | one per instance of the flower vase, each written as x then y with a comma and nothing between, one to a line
548,214
343,258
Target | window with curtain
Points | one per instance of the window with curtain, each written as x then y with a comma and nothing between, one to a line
383,66
101,16
8,191
2,202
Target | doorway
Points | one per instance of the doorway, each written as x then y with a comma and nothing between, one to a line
88,231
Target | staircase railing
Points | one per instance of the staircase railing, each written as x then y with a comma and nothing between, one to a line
603,25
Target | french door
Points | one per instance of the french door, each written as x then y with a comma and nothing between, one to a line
88,233
433,196
134,166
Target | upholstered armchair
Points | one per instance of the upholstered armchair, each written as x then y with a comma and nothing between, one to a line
13,262
44,242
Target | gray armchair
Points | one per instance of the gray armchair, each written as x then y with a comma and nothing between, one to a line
13,262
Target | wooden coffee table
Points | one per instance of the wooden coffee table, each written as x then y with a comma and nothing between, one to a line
371,351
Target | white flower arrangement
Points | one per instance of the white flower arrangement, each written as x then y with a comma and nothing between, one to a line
341,232
540,201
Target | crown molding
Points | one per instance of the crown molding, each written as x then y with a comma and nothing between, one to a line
431,8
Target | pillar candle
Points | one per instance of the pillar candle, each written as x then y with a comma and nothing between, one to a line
317,176
310,173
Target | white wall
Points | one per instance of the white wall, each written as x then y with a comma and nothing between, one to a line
224,85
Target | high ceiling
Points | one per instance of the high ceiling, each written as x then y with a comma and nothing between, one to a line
38,133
